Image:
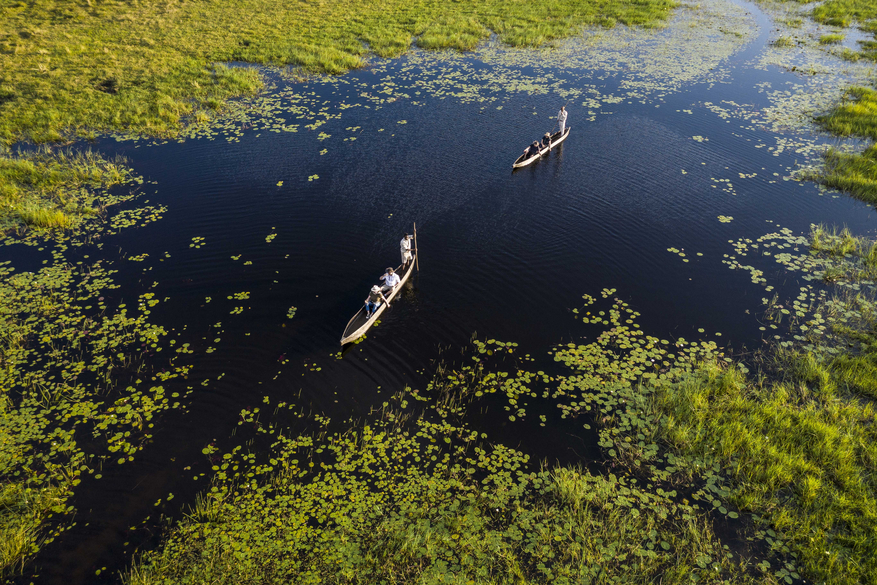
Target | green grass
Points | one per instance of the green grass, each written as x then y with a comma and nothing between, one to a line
53,188
22,511
793,445
856,115
784,42
147,67
800,451
798,442
845,12
832,39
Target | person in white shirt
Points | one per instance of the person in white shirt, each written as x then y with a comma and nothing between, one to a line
405,248
561,119
391,279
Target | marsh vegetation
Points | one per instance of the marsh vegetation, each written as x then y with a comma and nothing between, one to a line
712,467
55,189
780,454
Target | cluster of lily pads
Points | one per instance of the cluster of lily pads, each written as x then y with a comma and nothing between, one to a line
77,392
776,448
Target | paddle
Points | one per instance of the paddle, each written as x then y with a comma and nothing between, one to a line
416,255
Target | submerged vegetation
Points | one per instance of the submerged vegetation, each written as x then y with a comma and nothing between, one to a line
420,496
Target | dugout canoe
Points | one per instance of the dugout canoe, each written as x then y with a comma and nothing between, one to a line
359,324
556,139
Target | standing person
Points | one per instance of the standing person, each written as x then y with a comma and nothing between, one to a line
561,119
405,248
391,279
371,303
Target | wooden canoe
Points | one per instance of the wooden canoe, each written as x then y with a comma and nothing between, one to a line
358,325
556,139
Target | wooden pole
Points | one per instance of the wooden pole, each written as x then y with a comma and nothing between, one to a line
416,251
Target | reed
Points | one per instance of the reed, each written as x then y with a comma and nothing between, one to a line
50,189
22,509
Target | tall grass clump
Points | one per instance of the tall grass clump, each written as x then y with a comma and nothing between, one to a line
855,173
856,115
857,256
800,451
22,511
52,189
832,39
798,442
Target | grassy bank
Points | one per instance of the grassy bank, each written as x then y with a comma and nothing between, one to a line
855,173
75,70
145,67
845,13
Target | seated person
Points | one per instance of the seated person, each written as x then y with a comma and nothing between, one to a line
371,303
546,140
533,149
391,279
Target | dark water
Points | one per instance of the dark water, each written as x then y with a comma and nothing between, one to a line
503,255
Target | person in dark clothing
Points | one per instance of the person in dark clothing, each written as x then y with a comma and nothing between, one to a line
546,140
533,149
